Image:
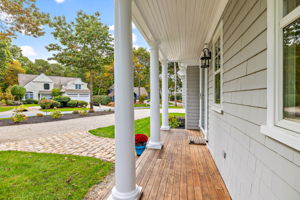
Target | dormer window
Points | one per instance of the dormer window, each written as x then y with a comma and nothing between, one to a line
46,86
78,86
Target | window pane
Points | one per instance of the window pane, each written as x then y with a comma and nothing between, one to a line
289,6
46,86
291,69
218,88
217,54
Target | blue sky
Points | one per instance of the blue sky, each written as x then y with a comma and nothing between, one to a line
34,48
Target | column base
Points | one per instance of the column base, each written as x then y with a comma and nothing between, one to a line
134,195
154,145
165,128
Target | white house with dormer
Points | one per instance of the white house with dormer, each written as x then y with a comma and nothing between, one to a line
40,86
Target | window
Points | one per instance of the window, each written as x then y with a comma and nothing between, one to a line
217,50
291,71
29,95
77,86
283,116
46,86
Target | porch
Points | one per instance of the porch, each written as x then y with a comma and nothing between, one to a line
178,171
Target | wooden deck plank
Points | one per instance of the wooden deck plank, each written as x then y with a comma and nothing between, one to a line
180,171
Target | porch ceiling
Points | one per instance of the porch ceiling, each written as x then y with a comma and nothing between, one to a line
181,26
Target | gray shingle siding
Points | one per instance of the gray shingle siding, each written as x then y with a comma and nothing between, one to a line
256,167
192,97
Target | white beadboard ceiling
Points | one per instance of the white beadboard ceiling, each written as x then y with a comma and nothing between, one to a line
181,26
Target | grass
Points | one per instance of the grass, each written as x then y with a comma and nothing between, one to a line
30,105
27,175
178,107
63,109
6,108
141,105
141,126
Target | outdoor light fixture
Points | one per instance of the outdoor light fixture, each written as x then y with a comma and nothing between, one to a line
205,58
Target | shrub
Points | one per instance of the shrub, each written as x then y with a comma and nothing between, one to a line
179,97
97,100
83,112
63,100
174,122
21,108
18,92
75,112
82,104
55,104
101,99
46,103
40,115
10,102
111,104
30,101
56,114
18,117
142,98
140,139
72,103
55,92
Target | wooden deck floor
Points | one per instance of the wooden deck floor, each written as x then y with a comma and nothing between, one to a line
180,171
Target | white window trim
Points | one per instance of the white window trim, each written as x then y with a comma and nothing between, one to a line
218,34
205,94
282,130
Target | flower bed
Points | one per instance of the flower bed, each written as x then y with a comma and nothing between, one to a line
48,118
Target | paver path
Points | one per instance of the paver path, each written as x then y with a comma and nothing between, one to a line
83,144
64,137
31,131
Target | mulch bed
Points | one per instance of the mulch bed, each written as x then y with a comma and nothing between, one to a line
35,119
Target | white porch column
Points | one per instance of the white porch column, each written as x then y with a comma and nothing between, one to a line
125,177
154,142
165,97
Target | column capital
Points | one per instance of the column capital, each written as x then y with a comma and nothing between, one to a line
154,45
164,61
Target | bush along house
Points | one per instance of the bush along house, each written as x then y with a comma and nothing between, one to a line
239,62
40,86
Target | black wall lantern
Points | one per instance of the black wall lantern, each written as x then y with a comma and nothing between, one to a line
205,58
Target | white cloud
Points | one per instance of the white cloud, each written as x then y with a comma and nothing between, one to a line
134,38
52,61
60,1
28,51
112,27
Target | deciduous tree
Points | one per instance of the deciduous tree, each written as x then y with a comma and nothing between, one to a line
84,43
21,16
10,74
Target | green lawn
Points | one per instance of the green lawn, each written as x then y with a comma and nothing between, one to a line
6,108
141,105
141,126
30,105
48,176
63,109
177,107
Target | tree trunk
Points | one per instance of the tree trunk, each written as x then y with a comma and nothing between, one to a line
100,85
139,87
91,90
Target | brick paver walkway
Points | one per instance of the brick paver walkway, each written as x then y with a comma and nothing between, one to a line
83,144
